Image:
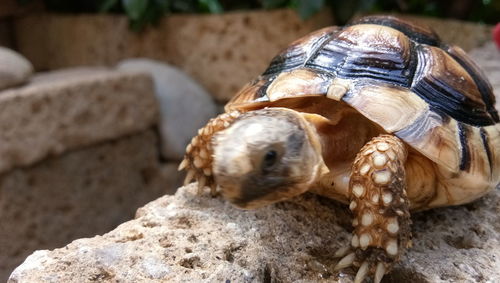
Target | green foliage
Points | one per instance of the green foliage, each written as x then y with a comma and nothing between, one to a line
307,8
144,12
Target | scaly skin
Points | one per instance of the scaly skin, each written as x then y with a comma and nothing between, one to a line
377,192
199,153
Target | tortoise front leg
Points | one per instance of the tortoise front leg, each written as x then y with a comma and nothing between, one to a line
377,192
199,152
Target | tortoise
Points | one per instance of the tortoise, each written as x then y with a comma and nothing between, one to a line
380,115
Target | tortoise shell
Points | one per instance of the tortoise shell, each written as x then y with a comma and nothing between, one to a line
402,77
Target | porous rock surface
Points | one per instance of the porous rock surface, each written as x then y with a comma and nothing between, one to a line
200,238
14,68
184,105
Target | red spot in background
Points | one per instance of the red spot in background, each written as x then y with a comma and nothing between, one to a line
496,35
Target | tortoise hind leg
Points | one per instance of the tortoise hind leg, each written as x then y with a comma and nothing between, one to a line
377,191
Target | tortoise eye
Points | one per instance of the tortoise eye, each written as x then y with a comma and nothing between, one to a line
270,158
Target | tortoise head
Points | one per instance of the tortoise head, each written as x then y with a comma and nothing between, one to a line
266,156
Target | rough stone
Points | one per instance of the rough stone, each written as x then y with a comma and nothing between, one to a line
63,110
79,194
187,237
14,68
222,52
184,105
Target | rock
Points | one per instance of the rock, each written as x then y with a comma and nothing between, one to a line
184,105
67,109
82,193
14,68
199,238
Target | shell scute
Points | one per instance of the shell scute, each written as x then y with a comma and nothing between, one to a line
422,34
447,86
367,51
400,76
299,51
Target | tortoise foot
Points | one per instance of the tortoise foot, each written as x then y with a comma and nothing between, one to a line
380,207
198,158
365,266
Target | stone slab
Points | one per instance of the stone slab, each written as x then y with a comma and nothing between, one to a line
63,110
186,237
82,193
222,52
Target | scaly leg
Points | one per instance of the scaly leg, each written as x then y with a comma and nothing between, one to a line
377,191
198,158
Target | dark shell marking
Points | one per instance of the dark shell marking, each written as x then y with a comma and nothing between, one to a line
399,58
387,50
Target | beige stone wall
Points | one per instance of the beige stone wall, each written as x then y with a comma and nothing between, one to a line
222,52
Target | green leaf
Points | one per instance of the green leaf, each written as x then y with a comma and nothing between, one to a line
307,8
211,6
135,9
273,4
107,5
162,5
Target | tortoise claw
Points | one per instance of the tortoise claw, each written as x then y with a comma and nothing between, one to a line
342,251
362,272
189,176
379,272
346,261
183,165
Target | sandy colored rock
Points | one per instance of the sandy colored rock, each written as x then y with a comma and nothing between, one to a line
79,194
63,110
222,52
14,68
189,238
